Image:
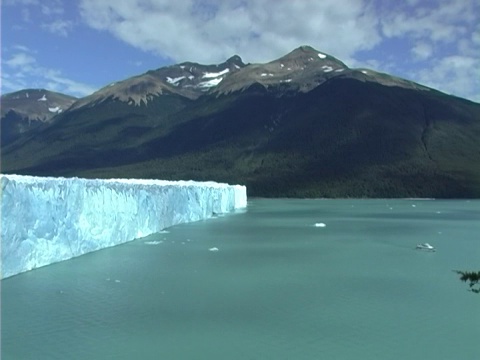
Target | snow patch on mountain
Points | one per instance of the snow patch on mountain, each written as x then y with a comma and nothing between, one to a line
175,81
210,83
43,98
322,56
55,109
217,74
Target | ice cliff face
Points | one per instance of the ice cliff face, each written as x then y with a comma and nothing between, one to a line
46,220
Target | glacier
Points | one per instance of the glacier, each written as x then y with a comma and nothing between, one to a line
45,220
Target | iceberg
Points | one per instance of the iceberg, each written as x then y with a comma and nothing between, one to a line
45,220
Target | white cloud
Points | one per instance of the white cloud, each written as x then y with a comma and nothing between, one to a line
26,15
22,71
20,2
422,50
21,48
53,8
456,71
56,81
50,14
20,60
58,27
442,40
212,31
438,23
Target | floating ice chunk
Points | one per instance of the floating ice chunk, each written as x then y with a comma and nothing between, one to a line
43,98
322,56
217,74
155,242
426,247
320,225
117,281
213,249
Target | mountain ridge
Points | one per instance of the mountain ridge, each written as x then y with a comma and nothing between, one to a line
324,133
27,109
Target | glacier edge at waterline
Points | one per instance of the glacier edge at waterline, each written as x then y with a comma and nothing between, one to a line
45,220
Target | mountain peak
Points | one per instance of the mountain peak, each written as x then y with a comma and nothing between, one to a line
235,59
302,69
25,110
305,49
308,53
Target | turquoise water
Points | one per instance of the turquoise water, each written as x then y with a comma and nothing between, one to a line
278,287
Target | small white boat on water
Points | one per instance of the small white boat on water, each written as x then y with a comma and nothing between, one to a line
425,246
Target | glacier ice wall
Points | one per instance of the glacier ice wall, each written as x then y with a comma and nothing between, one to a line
46,220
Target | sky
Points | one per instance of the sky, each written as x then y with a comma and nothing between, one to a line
78,46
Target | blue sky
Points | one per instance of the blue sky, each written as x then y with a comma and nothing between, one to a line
78,46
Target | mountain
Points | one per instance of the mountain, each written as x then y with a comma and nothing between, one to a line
304,125
25,110
302,70
189,80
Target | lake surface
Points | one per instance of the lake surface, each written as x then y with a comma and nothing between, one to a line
278,287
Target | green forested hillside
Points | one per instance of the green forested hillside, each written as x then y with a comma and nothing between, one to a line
345,138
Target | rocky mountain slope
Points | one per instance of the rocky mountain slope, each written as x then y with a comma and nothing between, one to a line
302,125
25,110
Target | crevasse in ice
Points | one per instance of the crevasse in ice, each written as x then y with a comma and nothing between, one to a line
46,220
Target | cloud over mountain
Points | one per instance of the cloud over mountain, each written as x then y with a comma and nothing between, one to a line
211,31
420,40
